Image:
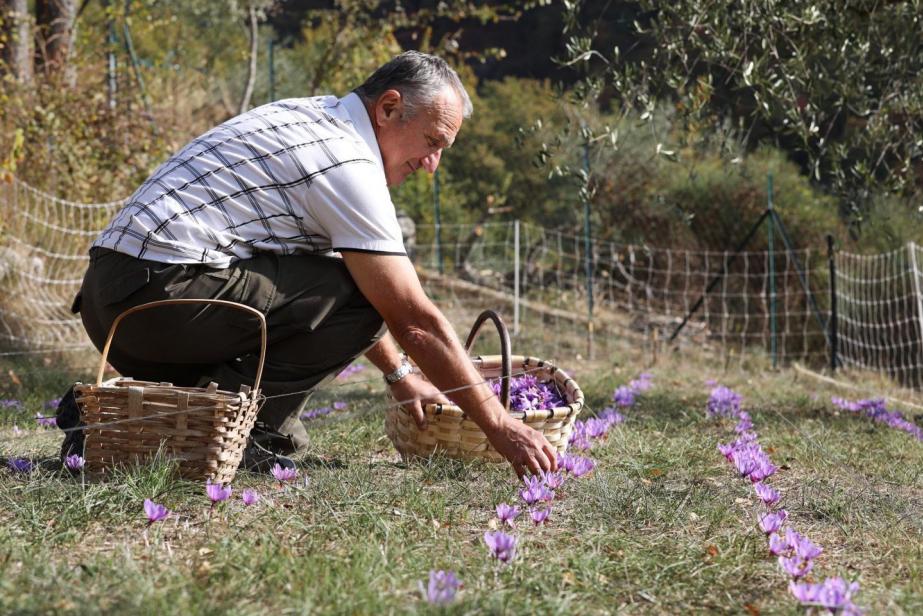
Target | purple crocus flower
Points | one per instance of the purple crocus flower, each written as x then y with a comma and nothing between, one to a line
250,497
596,428
339,406
582,466
154,511
442,587
611,416
539,516
19,465
835,594
566,462
532,495
796,566
723,402
764,469
778,545
502,546
803,547
53,403
74,462
554,480
350,370
766,493
832,594
46,422
642,383
283,474
10,403
772,522
216,492
623,396
507,514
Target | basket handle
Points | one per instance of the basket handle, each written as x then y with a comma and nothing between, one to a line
170,302
506,364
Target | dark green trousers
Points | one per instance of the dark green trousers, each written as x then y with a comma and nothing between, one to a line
318,323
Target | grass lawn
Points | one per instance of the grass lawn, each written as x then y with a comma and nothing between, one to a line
662,525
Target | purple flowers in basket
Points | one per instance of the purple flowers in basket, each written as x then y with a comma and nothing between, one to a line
527,393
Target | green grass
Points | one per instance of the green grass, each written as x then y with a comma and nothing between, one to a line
662,525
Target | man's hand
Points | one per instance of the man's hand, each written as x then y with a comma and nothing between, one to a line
524,447
415,392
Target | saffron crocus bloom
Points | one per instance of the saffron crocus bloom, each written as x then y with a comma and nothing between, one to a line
46,422
154,511
507,513
611,416
74,462
832,594
442,587
582,466
540,515
772,522
19,465
216,492
723,402
502,546
283,474
803,547
533,494
566,462
766,494
623,396
553,480
796,566
596,428
778,545
250,497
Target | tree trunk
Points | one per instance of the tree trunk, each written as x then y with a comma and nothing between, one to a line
56,24
17,39
251,72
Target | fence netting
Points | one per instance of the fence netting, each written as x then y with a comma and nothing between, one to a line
562,296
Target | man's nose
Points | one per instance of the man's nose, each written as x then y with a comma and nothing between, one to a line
431,162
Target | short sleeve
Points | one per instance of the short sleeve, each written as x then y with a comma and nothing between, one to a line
352,204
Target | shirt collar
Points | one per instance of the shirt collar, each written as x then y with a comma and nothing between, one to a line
360,117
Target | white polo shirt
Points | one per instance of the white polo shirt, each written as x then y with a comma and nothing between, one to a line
297,176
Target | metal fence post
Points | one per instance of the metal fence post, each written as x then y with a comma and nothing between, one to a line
438,225
831,260
516,277
772,280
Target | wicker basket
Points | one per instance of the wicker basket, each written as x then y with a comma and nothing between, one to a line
205,429
452,433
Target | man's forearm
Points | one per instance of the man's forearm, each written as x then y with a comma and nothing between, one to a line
433,345
384,355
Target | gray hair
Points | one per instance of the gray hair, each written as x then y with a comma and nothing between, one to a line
419,77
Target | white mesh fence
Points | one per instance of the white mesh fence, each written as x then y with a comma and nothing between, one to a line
43,255
537,279
880,313
640,292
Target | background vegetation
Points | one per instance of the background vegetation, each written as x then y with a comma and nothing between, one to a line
682,107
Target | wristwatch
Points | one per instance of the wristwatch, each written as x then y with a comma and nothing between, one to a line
403,370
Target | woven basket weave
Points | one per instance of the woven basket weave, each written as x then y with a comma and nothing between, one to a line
204,429
452,433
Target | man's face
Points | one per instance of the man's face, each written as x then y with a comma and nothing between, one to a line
409,144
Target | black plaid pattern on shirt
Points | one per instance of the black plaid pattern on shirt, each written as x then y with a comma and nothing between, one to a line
243,186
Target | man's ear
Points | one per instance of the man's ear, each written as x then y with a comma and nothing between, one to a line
389,107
